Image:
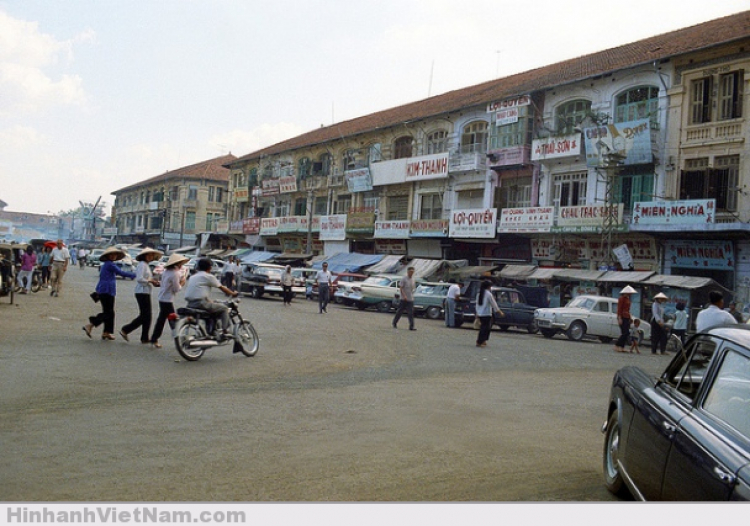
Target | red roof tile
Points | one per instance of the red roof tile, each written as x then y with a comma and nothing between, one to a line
213,169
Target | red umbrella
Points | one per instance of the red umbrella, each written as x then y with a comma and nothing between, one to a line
50,244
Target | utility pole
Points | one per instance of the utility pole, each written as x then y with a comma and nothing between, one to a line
612,163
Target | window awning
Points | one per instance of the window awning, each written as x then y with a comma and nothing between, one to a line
387,265
681,282
349,261
625,276
572,274
517,271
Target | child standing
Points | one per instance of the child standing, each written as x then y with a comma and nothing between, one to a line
636,334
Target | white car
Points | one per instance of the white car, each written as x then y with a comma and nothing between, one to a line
584,316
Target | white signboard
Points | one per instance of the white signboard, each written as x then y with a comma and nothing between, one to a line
359,180
623,256
523,100
269,226
392,229
555,147
474,222
529,219
333,228
287,184
427,167
506,116
692,212
588,215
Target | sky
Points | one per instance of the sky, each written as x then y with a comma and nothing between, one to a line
96,95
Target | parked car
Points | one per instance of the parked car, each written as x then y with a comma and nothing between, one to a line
258,279
584,316
429,298
683,436
379,291
92,259
303,277
126,264
517,312
216,266
345,283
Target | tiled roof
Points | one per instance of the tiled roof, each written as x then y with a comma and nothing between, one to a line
660,47
213,169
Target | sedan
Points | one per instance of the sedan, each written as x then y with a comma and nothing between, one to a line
429,299
684,436
582,316
380,291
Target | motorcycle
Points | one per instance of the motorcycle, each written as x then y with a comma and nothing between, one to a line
196,330
36,281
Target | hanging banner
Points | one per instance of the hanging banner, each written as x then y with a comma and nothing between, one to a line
630,140
287,184
333,228
359,180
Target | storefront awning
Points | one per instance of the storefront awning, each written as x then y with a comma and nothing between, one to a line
387,265
517,271
349,262
184,250
466,272
682,282
543,273
572,274
429,268
626,276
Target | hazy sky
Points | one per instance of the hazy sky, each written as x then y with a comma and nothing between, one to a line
96,95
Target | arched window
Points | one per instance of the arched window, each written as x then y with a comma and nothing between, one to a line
474,137
638,103
571,114
437,142
303,168
323,165
402,147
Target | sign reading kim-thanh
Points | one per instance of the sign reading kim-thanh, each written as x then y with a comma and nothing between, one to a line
427,167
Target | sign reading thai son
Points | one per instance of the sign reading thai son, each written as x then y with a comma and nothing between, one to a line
427,167
333,228
474,222
690,212
554,147
529,219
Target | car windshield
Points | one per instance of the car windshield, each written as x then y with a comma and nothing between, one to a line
582,303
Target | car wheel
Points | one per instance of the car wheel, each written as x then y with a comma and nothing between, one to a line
433,313
576,331
361,305
504,328
532,328
612,476
257,292
548,333
605,339
384,306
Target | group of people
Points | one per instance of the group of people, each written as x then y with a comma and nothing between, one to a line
173,279
630,331
53,264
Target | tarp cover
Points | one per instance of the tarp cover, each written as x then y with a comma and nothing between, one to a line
682,282
258,256
516,271
467,272
432,268
625,276
574,274
348,262
388,265
543,273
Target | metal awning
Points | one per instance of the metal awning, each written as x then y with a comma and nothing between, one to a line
543,273
682,282
573,274
625,276
517,271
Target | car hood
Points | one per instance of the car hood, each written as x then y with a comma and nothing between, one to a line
570,311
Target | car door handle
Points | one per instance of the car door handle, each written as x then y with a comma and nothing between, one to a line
669,428
726,478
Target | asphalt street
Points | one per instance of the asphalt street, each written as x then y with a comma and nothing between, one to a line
334,407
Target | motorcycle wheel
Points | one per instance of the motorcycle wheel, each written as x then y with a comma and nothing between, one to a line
246,339
35,284
186,332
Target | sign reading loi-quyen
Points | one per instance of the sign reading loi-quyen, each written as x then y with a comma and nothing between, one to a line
476,222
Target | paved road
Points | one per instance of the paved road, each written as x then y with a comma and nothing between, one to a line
335,407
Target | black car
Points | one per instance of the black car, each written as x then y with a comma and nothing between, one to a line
685,435
517,312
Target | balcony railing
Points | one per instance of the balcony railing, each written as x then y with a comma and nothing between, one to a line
713,132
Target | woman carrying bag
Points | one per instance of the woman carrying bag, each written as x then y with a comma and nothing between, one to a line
106,288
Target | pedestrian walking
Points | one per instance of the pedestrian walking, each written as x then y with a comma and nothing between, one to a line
287,280
172,281
106,288
227,274
452,296
624,317
714,314
486,306
28,263
59,258
144,282
45,260
406,289
734,312
658,329
323,279
679,328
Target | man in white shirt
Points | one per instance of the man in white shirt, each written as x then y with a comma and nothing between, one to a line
714,314
454,293
59,262
198,293
323,279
